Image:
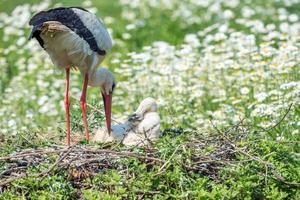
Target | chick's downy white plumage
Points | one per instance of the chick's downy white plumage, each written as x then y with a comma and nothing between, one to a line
142,127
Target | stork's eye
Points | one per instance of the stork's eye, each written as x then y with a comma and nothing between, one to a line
113,87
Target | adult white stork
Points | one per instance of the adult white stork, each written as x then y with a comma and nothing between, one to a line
74,37
140,128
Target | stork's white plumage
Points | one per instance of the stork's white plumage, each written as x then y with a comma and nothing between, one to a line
141,127
74,37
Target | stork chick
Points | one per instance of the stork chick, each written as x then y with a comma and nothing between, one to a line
141,128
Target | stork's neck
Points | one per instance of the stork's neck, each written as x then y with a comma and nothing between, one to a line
96,78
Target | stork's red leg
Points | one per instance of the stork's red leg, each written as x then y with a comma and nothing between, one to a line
83,106
67,106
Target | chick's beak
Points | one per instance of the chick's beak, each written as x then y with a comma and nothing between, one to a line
107,100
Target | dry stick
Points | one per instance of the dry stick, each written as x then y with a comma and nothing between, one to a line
44,173
266,175
11,170
9,180
214,161
148,192
89,161
15,157
278,142
29,142
125,154
167,162
279,122
284,116
288,142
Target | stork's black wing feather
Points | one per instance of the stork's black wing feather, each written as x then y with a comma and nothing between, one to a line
61,12
67,17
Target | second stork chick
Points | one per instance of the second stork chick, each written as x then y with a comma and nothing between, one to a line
141,128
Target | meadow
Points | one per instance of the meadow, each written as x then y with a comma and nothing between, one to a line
226,75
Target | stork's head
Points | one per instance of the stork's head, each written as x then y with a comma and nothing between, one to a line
107,89
104,79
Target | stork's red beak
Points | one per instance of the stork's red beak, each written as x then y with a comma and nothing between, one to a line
107,106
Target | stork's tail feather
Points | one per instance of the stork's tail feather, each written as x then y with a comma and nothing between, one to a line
53,26
38,21
49,26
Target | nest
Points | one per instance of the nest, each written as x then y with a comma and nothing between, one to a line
81,162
